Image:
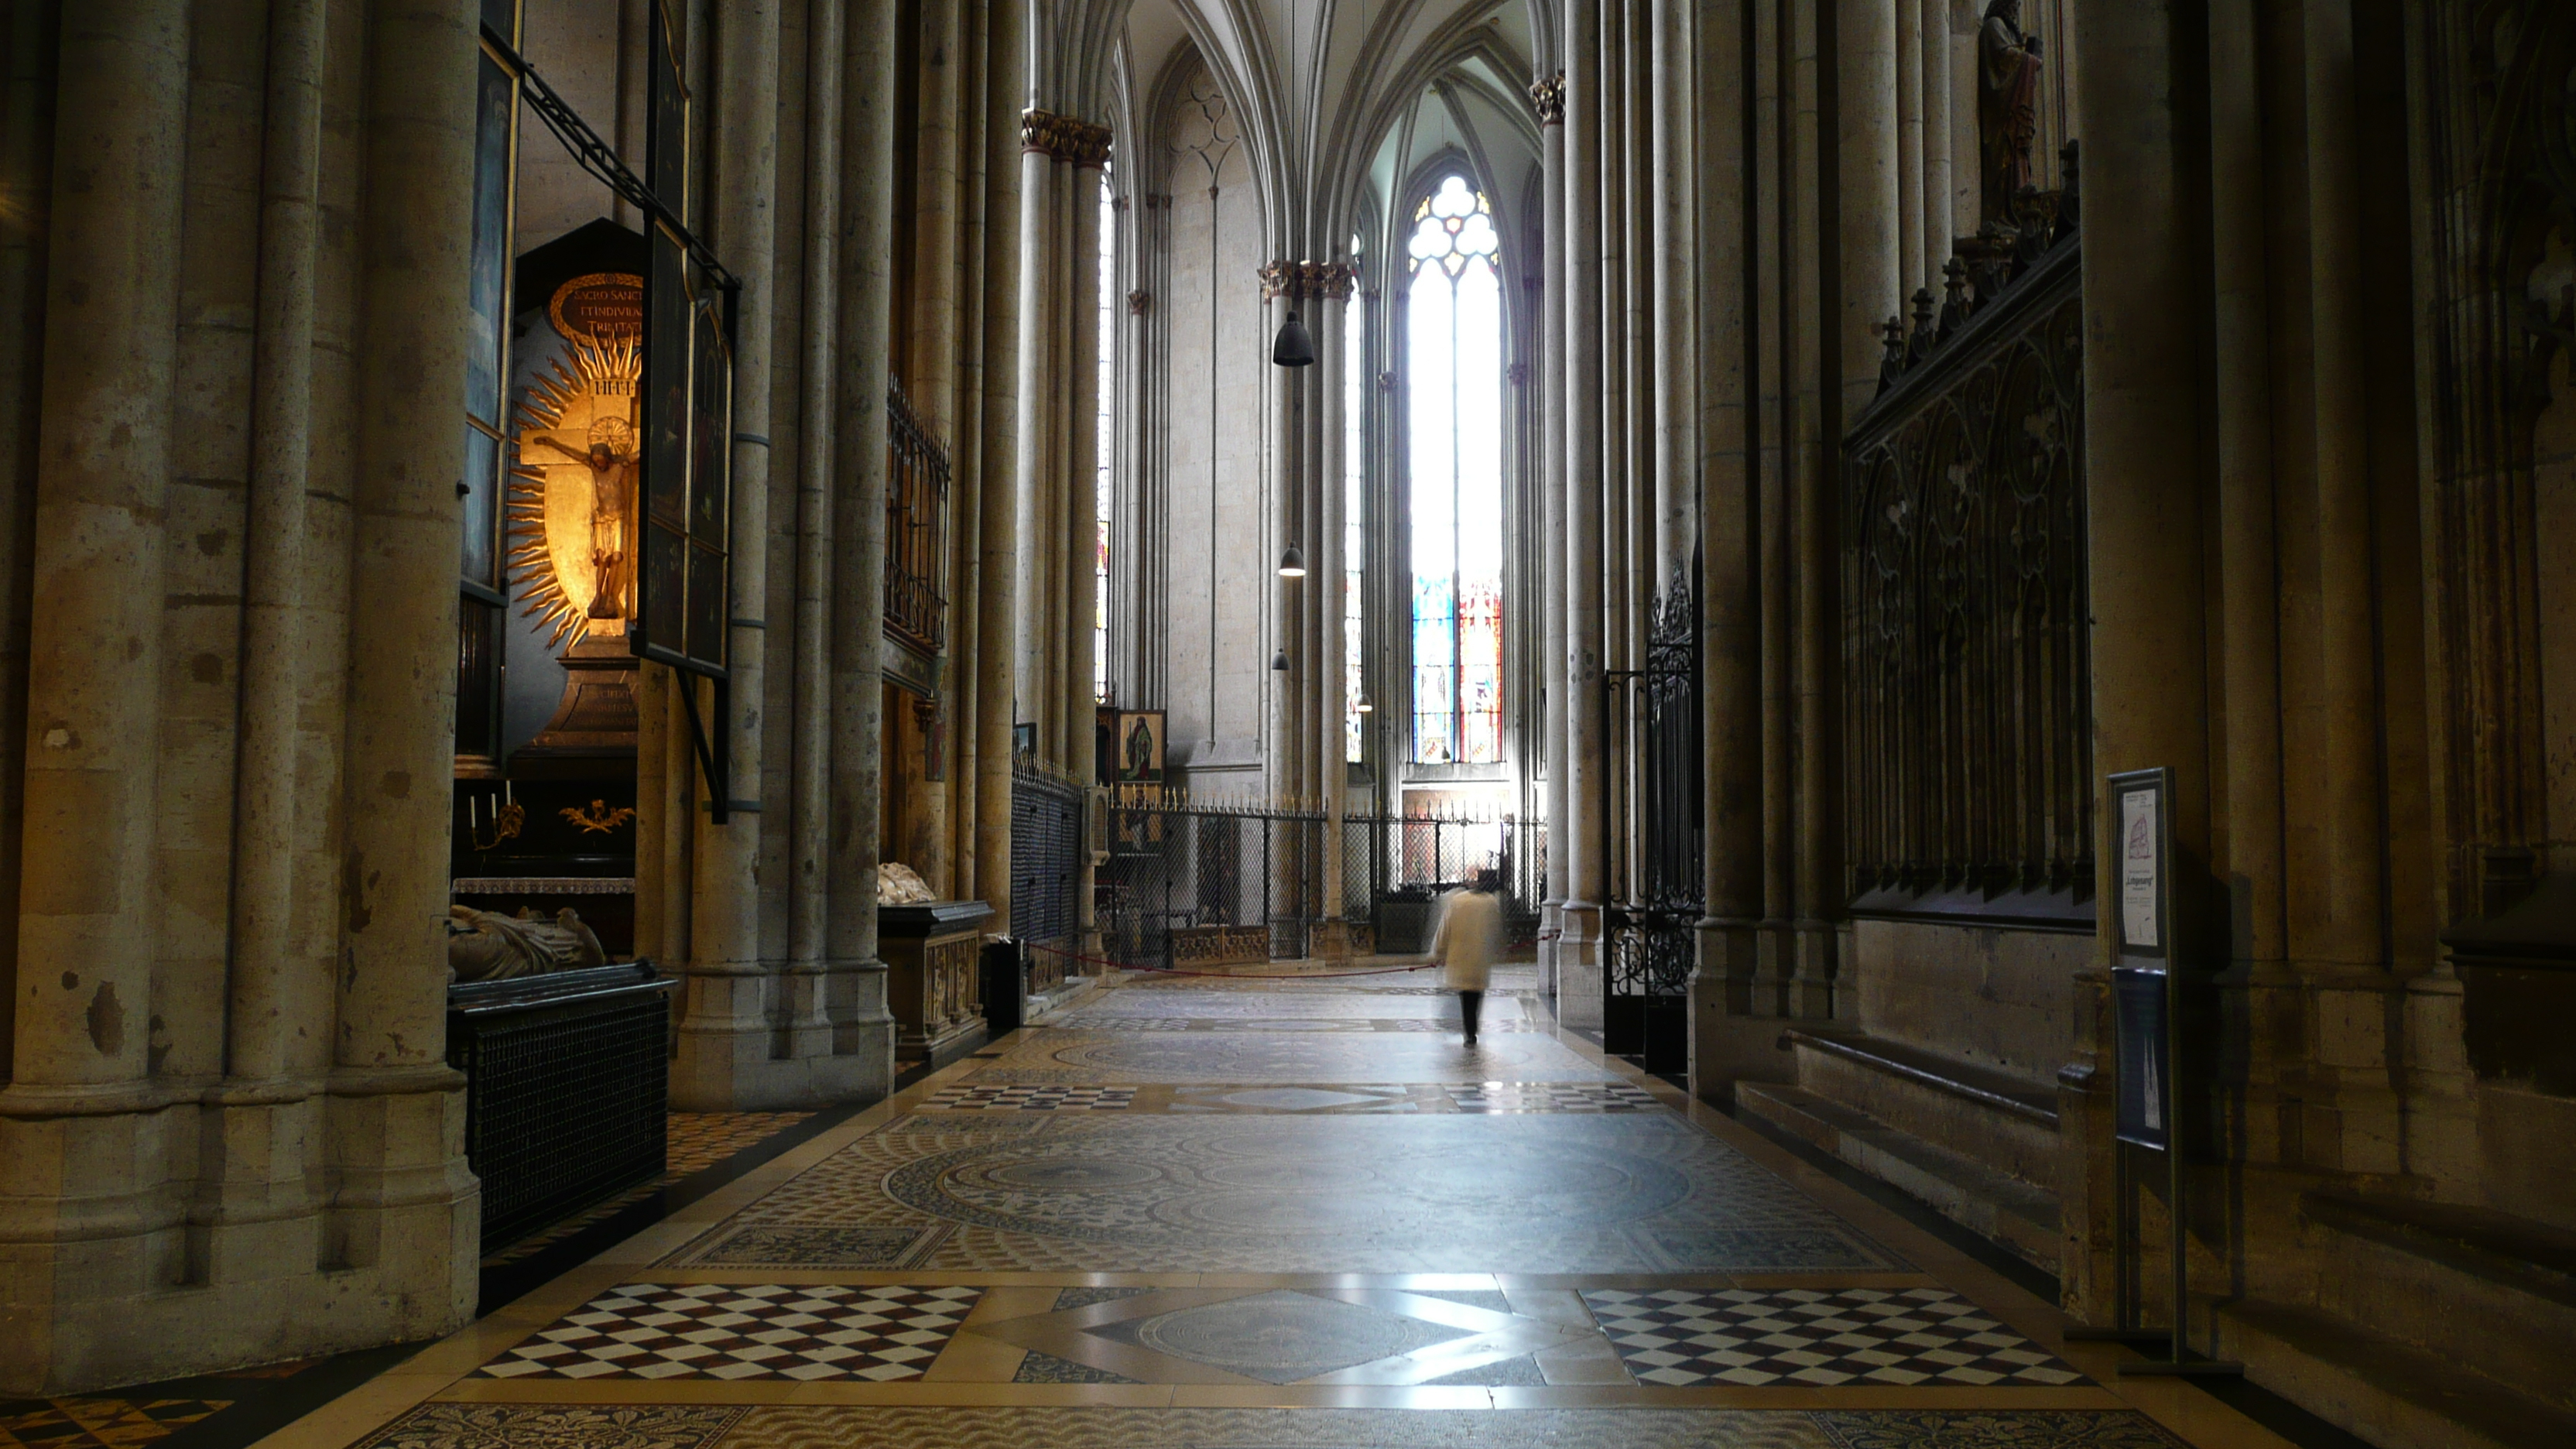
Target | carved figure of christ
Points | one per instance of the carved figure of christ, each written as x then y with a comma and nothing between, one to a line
612,492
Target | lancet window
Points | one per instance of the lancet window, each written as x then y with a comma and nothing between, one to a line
1454,356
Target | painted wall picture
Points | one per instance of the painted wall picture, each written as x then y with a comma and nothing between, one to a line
1139,757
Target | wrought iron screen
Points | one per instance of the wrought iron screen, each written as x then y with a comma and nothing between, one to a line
916,602
567,1089
1656,885
1181,874
1046,866
1968,682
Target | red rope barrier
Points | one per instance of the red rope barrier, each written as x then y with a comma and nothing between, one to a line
1235,975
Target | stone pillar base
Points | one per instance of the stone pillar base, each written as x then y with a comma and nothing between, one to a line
1579,966
1332,942
113,1274
1729,1042
1812,984
731,1059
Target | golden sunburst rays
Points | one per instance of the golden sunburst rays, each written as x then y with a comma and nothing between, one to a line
593,385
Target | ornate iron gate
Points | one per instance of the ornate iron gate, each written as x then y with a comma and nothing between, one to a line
1654,846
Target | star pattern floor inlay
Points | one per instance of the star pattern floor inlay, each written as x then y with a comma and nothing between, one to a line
1286,1211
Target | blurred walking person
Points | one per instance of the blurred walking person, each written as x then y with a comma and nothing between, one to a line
1469,937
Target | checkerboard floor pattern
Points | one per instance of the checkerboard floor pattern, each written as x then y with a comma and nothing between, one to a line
1552,1097
744,1331
1691,1336
1030,1099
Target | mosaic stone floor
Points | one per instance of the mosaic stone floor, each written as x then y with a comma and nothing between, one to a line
1266,1214
698,1141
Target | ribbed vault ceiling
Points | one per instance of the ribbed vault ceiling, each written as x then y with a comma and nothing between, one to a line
1341,101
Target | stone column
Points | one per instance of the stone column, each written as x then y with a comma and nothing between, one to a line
723,1048
1933,27
1675,167
85,926
653,885
1730,598
1280,440
1626,457
1549,97
404,1203
1788,147
1871,276
26,163
1913,235
809,1029
2143,495
966,485
1623,464
1325,558
2350,932
2249,575
997,607
1052,542
1082,496
1579,948
2357,1127
83,1186
1038,440
270,990
1640,195
1081,461
862,1027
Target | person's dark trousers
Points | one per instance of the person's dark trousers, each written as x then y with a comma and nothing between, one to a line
1471,1004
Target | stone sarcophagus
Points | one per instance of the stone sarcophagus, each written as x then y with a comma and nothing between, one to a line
932,952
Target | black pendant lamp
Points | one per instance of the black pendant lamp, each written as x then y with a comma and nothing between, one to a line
1279,661
1295,347
1292,564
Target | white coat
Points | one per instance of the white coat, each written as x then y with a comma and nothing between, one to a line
1468,939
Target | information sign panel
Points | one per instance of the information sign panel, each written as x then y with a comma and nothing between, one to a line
2138,997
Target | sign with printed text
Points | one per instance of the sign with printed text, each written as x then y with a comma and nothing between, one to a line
2141,850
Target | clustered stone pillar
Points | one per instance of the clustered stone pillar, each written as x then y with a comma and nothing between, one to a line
2142,406
723,1042
1579,947
244,1144
1059,381
1305,765
228,1122
997,582
1729,542
856,1002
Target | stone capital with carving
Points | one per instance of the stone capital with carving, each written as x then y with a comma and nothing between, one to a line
1064,138
1308,281
1547,95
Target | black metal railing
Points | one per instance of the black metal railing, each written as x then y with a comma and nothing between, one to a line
1046,860
1249,881
916,604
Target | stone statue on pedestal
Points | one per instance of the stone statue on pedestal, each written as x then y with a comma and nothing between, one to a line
2007,109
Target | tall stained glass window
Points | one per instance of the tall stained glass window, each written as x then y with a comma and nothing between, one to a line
1454,353
1355,393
